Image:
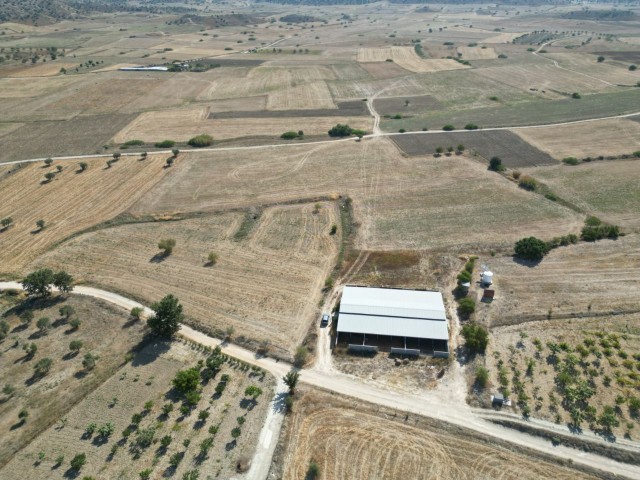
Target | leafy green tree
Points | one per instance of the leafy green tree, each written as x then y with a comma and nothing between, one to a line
291,380
78,462
495,164
63,281
531,248
608,418
66,311
49,176
212,258
340,130
471,126
89,361
43,324
576,96
448,128
30,349
83,166
466,306
167,245
38,283
75,323
23,415
75,346
6,223
482,376
43,367
167,317
187,380
253,391
600,59
26,317
40,224
476,337
313,471
235,433
136,312
116,156
175,152
48,161
300,357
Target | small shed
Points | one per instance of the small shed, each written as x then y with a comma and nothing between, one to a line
488,295
497,400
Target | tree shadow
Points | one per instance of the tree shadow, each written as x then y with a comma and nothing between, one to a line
526,263
148,350
280,402
17,425
231,445
130,323
20,328
70,355
80,374
71,473
59,322
159,257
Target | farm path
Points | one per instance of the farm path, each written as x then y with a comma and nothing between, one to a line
348,139
432,406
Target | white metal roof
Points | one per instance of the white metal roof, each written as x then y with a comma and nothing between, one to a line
396,312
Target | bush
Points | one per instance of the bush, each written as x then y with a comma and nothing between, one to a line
466,306
495,164
132,143
313,472
576,95
187,380
476,337
78,461
167,244
448,128
531,248
201,141
482,376
289,135
570,161
165,144
340,130
300,358
528,183
471,126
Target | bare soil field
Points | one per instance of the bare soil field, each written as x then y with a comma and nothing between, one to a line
607,189
606,345
266,286
70,203
147,378
406,105
574,282
180,125
590,139
477,53
82,135
513,151
350,440
400,203
105,331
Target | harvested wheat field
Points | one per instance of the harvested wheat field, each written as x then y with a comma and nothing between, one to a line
368,55
68,204
477,53
587,64
355,441
42,70
105,331
505,37
383,71
597,278
400,203
586,139
313,95
180,125
124,453
266,282
607,189
406,58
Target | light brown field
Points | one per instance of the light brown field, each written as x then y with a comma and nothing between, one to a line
555,81
607,189
477,53
308,96
267,287
406,58
42,70
385,70
6,128
589,139
180,125
114,67
612,71
70,203
401,203
596,278
105,331
33,87
503,37
148,378
364,442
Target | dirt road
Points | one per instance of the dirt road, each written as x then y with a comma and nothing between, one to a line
433,406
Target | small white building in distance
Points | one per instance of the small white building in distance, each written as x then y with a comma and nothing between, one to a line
406,322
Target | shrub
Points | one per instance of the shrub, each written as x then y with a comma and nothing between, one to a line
528,183
466,306
570,161
145,474
136,312
78,461
187,380
165,144
167,244
531,248
212,258
448,128
340,130
482,376
235,433
594,229
289,135
300,358
334,229
576,95
495,164
471,126
201,141
313,472
476,337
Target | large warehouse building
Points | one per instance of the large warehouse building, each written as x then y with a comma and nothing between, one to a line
406,322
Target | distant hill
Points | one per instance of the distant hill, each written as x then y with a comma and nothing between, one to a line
612,15
300,19
411,2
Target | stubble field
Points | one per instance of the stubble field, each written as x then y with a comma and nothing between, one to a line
407,58
355,441
68,204
266,282
400,203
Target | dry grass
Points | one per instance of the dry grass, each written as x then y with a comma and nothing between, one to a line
383,71
606,189
587,64
407,58
304,97
42,70
363,442
70,203
587,278
401,203
182,124
477,53
266,286
148,378
34,87
612,137
105,331
502,37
